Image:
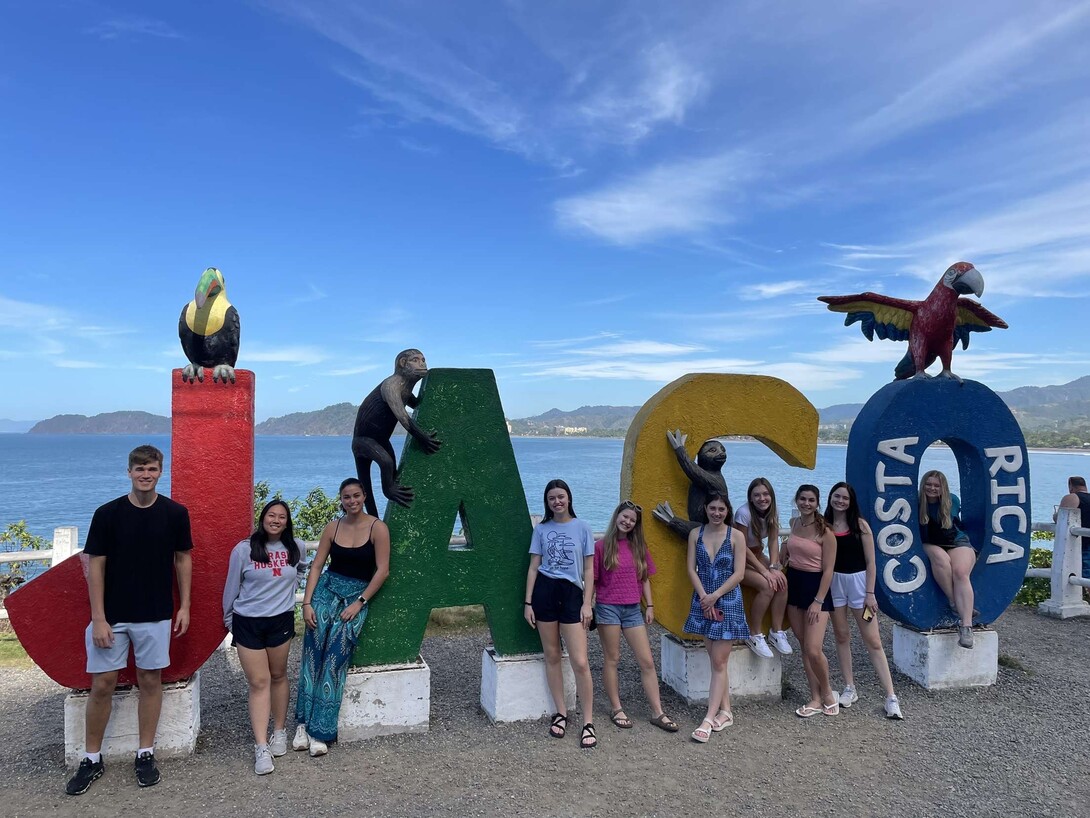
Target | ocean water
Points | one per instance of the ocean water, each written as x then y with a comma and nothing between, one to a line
55,480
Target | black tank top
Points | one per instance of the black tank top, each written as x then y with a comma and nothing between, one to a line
850,558
1084,507
357,563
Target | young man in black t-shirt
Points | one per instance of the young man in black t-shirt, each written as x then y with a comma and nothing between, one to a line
138,544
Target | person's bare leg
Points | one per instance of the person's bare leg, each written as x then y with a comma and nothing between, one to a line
815,653
150,704
575,640
779,609
962,560
718,689
872,638
641,647
549,632
610,636
941,569
761,600
255,664
100,703
279,690
843,635
797,617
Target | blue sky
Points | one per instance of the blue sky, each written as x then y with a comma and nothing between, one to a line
590,198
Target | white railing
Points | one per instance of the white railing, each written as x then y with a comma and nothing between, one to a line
1066,572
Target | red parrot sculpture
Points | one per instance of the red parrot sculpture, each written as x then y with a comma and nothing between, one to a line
932,327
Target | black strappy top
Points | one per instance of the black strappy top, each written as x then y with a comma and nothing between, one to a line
358,563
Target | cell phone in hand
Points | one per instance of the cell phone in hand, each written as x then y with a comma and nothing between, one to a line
868,614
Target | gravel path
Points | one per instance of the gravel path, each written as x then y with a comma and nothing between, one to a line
1018,748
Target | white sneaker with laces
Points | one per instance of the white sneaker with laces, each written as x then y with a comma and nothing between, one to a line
780,643
758,645
301,740
893,708
278,744
318,748
848,696
263,763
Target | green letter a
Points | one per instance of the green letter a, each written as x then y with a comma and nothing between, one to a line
473,475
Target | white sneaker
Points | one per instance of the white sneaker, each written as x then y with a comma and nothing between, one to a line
278,744
318,748
779,642
893,708
263,763
301,740
848,696
758,645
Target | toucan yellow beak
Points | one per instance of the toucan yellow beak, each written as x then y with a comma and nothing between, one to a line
208,286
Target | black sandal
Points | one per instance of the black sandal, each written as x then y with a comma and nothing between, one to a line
559,726
588,740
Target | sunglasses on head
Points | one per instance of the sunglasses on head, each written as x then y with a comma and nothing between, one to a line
631,505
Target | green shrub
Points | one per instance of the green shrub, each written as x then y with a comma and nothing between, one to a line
16,537
1034,590
309,515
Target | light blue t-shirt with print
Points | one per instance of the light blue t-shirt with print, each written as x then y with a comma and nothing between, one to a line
562,547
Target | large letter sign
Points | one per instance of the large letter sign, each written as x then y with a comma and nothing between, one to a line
704,406
474,476
887,439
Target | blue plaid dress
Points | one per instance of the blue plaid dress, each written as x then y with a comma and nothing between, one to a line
712,575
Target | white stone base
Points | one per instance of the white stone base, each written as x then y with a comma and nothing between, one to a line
513,688
687,669
936,661
179,723
385,699
1060,609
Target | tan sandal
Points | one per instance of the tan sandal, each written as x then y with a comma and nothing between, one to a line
701,735
723,720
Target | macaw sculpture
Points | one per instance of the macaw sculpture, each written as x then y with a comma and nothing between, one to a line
209,330
932,327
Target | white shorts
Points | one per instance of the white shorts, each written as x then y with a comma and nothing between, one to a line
150,643
850,590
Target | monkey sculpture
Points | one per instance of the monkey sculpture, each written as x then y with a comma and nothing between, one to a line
379,413
705,475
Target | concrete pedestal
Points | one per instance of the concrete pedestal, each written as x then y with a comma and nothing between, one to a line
513,688
382,700
687,669
936,661
179,723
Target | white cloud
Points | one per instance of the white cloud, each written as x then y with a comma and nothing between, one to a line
65,363
355,370
753,292
681,198
648,348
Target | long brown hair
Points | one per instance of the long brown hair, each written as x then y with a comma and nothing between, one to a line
637,544
946,505
819,521
770,519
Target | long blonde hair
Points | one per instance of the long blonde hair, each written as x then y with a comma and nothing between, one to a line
637,544
946,505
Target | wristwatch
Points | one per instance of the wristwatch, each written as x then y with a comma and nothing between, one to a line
362,599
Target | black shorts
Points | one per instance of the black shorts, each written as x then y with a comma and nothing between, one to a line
802,588
260,632
556,600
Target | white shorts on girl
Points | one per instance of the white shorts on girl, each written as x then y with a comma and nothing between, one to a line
850,590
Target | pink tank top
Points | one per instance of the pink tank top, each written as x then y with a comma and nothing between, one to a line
803,554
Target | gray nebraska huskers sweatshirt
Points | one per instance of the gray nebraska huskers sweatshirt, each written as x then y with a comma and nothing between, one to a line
261,589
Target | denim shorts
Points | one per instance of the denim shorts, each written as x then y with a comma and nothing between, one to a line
627,616
150,642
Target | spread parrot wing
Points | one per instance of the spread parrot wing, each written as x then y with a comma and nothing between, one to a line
974,318
888,318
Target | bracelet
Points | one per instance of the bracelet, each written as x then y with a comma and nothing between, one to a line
870,593
649,606
775,566
305,604
527,603
817,602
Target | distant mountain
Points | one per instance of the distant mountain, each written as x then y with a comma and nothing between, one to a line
15,426
586,421
839,413
334,420
108,423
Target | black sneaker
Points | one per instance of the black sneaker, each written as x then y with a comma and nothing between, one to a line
147,774
86,774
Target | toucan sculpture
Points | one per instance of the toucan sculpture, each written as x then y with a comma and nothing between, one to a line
932,327
209,330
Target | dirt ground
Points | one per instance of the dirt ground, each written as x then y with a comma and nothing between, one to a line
1018,748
